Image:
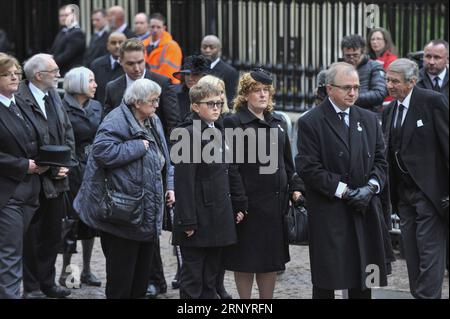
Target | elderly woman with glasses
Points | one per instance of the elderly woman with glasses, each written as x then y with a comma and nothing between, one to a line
129,160
85,115
19,180
261,250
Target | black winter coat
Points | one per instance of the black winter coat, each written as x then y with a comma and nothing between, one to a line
373,85
343,242
261,238
203,196
68,49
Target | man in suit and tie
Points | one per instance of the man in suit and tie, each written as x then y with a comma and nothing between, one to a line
211,48
107,68
133,63
341,161
43,238
434,74
415,125
97,45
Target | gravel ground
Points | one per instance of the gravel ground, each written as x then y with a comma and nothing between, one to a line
294,283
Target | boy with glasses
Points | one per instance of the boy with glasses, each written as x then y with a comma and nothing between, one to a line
203,219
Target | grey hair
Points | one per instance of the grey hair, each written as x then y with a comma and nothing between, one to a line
140,90
321,78
35,64
408,68
76,81
338,66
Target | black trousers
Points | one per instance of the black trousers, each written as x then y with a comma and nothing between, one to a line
127,266
156,268
424,234
42,243
15,217
199,272
354,293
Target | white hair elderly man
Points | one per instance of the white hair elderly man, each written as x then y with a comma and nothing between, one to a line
416,127
43,238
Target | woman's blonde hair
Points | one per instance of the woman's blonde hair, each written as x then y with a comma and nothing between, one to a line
214,80
246,85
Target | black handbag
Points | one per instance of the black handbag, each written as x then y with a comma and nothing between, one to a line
124,209
296,224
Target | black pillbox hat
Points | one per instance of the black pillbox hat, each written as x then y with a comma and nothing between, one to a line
262,76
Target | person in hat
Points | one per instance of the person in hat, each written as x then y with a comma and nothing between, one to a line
19,180
193,69
261,250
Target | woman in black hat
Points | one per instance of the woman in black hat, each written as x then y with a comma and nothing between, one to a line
261,249
193,69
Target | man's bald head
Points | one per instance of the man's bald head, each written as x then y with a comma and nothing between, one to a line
115,40
211,47
116,16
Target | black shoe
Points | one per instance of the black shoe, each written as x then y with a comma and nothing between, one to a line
90,279
223,294
35,294
56,292
152,291
162,289
175,284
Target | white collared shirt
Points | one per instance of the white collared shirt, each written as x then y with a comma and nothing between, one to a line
100,32
112,61
338,110
441,77
213,64
39,97
130,81
405,103
122,28
6,101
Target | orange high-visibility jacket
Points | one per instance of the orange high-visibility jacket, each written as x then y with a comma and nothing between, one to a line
166,58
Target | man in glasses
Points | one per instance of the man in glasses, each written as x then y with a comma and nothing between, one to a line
42,241
371,73
416,130
341,161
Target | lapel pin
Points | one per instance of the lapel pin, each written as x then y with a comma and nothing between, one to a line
280,128
358,126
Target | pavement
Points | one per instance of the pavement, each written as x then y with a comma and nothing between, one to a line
294,283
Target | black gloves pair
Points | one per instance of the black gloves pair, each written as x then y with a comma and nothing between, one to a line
360,198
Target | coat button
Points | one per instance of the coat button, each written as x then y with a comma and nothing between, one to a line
277,193
341,154
229,195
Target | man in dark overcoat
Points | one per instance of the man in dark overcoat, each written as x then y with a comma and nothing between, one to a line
416,130
341,161
43,238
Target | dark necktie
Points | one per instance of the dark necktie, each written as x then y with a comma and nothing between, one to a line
116,65
398,125
436,86
150,48
13,107
344,125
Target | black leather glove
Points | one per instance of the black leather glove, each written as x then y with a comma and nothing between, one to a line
360,201
349,193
